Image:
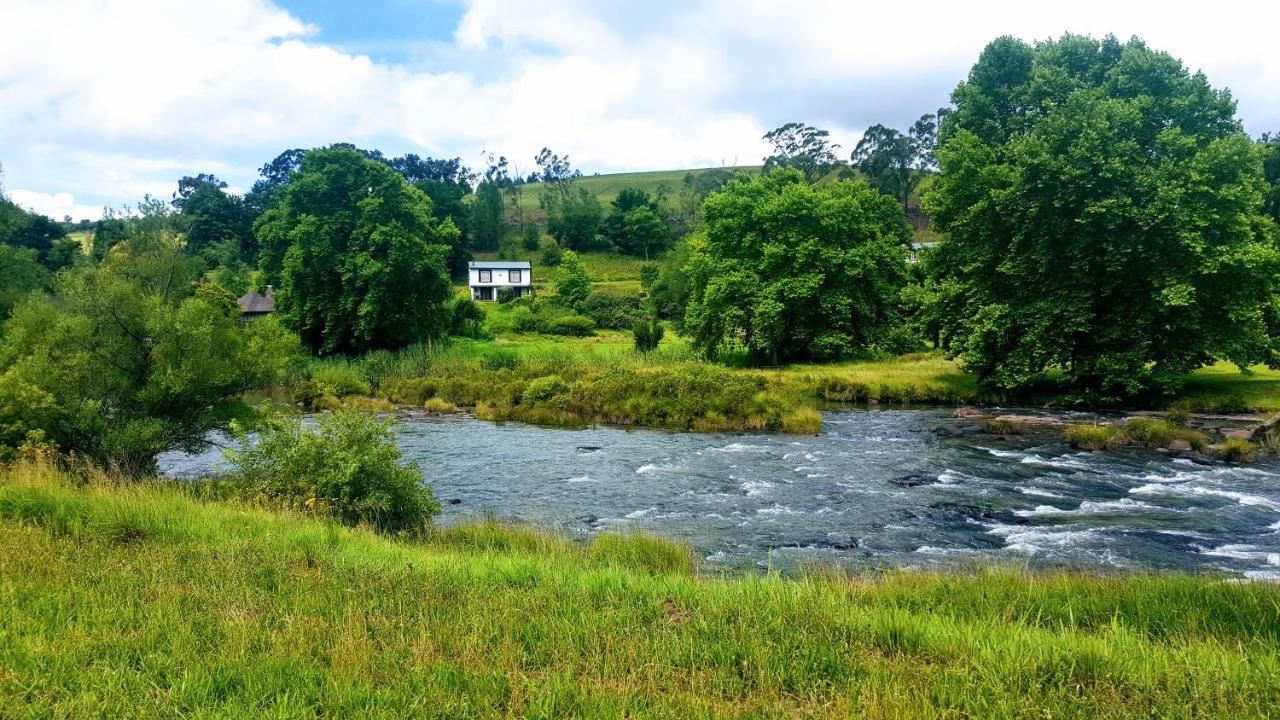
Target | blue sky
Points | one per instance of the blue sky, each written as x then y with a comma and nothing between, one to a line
102,102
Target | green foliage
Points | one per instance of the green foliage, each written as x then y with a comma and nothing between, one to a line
1159,433
488,219
495,360
506,295
635,224
571,325
574,220
1095,437
136,357
552,254
1237,450
21,274
544,389
339,379
802,147
647,334
210,214
649,275
530,237
357,258
1001,426
1101,211
612,310
36,232
895,163
467,318
575,283
1271,173
795,271
347,468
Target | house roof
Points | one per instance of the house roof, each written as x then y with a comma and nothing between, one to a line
252,302
500,265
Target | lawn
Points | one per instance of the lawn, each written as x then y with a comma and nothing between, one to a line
142,601
1224,386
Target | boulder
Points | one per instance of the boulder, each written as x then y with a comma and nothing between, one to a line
1179,446
969,412
1033,422
1239,433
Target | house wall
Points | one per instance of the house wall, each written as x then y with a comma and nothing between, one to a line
501,278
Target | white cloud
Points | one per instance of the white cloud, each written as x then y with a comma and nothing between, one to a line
111,100
56,205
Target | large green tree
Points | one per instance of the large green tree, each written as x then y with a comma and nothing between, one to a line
635,224
209,214
132,358
1271,173
795,271
803,147
357,258
1101,207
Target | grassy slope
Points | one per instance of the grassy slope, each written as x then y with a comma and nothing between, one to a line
142,602
607,187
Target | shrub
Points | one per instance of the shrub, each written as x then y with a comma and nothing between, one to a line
1095,437
347,468
500,360
1179,413
552,255
1159,433
998,426
802,421
647,334
339,379
571,325
575,284
530,237
610,310
1237,450
506,295
467,318
438,405
649,275
409,391
543,389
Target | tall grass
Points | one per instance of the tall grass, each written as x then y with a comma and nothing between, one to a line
144,601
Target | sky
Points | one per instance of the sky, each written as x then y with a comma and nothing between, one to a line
105,101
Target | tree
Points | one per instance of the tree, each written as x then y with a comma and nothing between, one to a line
895,163
133,358
21,274
803,147
271,177
635,224
209,214
356,256
575,283
1271,172
575,221
33,231
1101,207
109,232
647,333
795,271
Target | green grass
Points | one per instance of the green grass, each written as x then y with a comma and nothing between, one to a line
607,187
143,601
607,269
1223,386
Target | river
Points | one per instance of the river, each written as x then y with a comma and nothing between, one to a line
874,489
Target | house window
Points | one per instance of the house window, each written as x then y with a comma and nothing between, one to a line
486,276
514,275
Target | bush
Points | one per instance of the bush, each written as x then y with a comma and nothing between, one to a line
339,379
543,389
647,334
575,284
438,405
552,254
610,310
571,325
1237,450
529,240
467,318
500,360
1159,433
1179,413
1095,437
997,426
506,295
347,468
649,275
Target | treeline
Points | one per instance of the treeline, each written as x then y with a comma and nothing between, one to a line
1106,227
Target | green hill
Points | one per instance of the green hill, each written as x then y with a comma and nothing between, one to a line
607,187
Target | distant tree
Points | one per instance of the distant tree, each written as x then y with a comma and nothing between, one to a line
795,271
133,359
648,333
575,221
531,238
33,231
356,256
635,224
227,266
1101,208
271,177
575,283
110,231
895,163
803,147
556,173
447,183
209,214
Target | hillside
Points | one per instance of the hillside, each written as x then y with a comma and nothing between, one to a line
142,601
607,187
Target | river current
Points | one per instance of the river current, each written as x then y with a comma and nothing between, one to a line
874,489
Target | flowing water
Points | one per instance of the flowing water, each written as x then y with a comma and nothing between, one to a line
876,488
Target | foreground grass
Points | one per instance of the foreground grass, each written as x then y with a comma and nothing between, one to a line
143,601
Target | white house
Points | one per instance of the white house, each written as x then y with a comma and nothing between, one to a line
487,278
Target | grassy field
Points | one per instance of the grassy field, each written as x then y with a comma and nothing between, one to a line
1223,385
607,187
142,601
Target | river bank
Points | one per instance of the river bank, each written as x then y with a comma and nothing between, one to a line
134,601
